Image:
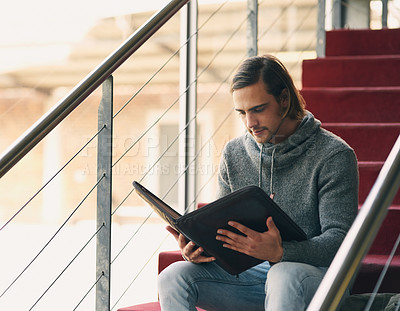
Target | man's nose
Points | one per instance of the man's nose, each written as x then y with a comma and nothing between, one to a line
251,121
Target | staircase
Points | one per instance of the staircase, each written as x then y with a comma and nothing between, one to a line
355,92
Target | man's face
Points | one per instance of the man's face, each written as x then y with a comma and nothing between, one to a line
260,112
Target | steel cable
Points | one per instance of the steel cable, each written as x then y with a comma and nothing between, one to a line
62,272
45,185
52,238
90,289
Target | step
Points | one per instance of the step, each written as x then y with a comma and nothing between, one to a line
368,172
151,306
362,42
366,279
370,272
168,257
387,234
354,104
371,141
346,71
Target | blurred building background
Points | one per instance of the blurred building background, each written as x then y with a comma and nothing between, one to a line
27,92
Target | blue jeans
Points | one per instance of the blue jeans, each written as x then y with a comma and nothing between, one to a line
284,286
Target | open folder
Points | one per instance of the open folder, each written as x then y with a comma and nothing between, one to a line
250,206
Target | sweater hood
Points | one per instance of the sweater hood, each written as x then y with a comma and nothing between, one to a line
295,143
307,128
285,152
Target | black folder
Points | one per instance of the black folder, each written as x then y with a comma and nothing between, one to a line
250,206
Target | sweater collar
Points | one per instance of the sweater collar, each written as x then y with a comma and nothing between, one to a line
307,128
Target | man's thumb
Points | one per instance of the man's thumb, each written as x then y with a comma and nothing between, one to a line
271,224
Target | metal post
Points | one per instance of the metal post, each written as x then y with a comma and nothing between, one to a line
104,194
188,105
337,14
321,35
252,27
355,14
384,13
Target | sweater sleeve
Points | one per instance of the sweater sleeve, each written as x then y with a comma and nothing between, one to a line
223,179
337,209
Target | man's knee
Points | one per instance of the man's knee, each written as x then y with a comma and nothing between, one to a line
171,274
289,271
302,279
291,285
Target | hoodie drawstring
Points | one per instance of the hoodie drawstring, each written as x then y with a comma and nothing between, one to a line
260,167
271,189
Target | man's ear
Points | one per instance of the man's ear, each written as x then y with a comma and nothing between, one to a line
284,103
284,98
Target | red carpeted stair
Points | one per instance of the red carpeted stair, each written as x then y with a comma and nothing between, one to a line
355,92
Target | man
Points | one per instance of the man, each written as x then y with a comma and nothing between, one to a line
309,172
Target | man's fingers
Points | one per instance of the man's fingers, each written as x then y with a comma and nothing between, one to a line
245,230
188,249
230,239
182,242
173,232
195,255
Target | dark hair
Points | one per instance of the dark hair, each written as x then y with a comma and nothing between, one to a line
276,78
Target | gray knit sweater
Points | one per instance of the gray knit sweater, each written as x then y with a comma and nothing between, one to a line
314,176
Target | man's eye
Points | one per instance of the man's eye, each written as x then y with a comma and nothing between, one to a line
258,110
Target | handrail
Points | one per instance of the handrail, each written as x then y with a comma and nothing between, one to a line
83,89
360,236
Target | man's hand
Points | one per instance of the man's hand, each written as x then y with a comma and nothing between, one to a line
188,249
262,245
